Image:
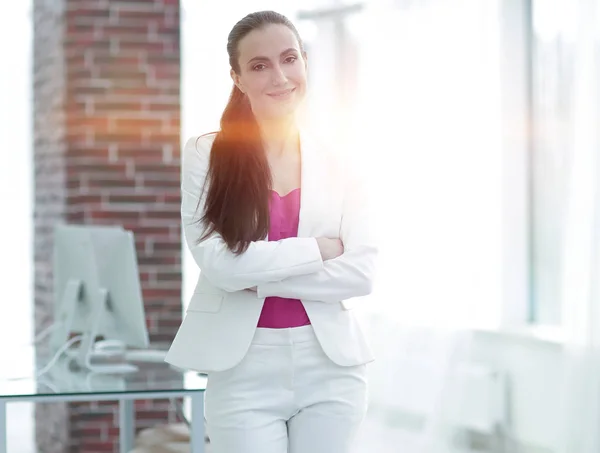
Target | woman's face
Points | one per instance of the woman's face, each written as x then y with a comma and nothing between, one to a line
272,71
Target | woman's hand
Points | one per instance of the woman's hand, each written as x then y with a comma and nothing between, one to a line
330,248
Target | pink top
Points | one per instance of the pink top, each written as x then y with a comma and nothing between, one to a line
277,312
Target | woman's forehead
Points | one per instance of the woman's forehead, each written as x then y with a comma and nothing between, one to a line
268,42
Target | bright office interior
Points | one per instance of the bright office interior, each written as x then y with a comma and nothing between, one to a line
477,123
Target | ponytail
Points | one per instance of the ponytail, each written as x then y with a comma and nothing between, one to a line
238,179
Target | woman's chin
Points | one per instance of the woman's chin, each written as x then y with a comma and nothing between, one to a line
280,112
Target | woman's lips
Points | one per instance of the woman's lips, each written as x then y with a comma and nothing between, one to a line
282,93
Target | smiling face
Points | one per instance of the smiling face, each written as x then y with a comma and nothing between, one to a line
272,71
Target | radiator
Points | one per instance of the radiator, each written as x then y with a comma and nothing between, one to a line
483,398
415,366
473,396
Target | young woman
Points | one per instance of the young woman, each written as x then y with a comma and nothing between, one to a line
278,225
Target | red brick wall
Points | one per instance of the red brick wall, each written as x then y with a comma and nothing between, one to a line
107,125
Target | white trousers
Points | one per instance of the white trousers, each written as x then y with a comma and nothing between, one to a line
285,396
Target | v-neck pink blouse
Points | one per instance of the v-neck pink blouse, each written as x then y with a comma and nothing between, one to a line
278,312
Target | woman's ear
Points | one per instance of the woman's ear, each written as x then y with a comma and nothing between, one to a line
305,56
236,79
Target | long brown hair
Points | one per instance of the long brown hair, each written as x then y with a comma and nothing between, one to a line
239,178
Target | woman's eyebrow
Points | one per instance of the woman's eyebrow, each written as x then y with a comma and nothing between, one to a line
261,58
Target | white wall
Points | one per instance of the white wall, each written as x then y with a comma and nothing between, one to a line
16,208
15,170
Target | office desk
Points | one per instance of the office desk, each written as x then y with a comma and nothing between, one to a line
153,380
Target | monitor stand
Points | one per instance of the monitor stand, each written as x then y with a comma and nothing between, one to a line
64,322
87,353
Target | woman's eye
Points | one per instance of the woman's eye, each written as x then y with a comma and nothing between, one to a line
291,59
259,67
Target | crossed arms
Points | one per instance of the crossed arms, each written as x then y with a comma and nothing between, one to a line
290,268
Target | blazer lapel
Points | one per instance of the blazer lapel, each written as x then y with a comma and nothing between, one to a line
309,191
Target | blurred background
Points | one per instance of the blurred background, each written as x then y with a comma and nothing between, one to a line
475,120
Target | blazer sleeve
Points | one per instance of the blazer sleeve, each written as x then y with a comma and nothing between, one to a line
263,262
352,273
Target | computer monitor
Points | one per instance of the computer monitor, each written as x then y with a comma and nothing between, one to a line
97,292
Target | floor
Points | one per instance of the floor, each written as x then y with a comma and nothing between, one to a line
374,436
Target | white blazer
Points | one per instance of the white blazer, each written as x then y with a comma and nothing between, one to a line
222,314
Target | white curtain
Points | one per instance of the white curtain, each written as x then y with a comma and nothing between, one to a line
581,255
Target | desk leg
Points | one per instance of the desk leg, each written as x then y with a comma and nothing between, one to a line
126,426
197,425
3,445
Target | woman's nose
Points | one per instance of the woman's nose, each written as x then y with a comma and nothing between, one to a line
279,77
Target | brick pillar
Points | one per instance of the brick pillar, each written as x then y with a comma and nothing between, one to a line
107,125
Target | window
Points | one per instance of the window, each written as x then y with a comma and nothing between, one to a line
552,84
425,123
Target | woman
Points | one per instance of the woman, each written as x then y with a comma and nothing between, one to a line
278,227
